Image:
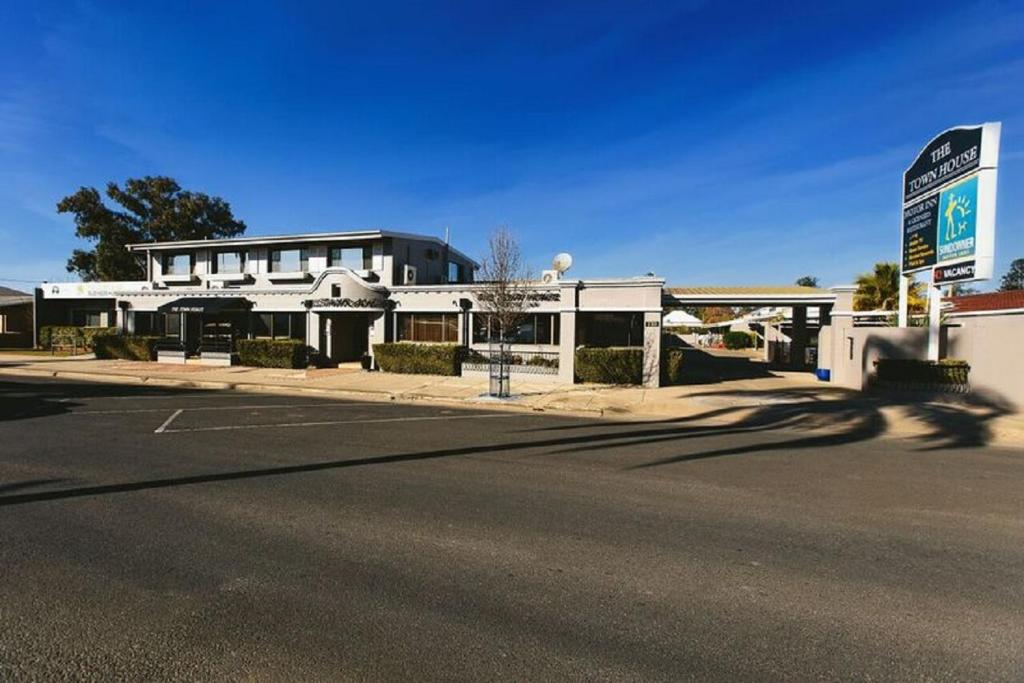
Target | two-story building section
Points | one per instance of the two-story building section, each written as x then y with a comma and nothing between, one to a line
343,292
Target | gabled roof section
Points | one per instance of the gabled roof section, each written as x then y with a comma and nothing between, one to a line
993,301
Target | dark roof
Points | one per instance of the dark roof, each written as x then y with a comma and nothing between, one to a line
207,304
993,301
7,291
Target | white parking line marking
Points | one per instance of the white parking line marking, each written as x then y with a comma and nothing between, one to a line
222,428
161,428
214,408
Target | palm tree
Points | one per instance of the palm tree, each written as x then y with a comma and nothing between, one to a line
879,290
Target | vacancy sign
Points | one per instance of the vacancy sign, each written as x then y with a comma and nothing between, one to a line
949,205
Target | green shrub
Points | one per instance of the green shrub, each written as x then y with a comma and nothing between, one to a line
543,361
419,359
272,353
738,340
948,371
671,366
612,365
72,335
126,347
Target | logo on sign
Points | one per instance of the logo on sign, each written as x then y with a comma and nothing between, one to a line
958,220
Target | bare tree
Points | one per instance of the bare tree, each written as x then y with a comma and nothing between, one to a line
505,296
507,292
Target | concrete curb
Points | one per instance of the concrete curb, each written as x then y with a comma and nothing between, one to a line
279,389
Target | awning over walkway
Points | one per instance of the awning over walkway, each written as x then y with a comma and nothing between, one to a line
207,305
771,295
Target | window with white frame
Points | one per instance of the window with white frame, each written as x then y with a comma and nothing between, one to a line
289,261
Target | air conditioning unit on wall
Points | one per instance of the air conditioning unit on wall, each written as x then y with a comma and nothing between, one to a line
549,277
409,275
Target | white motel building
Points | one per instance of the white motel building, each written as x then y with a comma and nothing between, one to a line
343,292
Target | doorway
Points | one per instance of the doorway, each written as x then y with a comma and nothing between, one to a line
345,336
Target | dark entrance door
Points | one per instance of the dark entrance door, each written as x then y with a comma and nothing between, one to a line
193,332
349,336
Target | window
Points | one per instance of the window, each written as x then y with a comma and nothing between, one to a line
536,328
298,326
428,327
610,329
262,325
454,272
353,258
172,323
229,262
147,325
82,318
289,261
178,264
279,325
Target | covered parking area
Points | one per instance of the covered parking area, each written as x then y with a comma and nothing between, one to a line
794,297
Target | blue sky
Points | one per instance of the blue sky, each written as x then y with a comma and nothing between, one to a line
708,142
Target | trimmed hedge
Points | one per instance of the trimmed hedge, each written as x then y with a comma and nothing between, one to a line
737,340
948,371
68,334
126,347
611,365
412,358
272,353
671,366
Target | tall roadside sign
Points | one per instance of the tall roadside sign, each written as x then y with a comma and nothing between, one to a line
949,214
949,202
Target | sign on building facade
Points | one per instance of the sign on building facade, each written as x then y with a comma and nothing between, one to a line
949,205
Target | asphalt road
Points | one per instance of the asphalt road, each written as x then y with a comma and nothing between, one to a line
160,534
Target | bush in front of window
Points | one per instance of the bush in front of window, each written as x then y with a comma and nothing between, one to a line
610,365
71,335
125,347
738,340
419,359
272,353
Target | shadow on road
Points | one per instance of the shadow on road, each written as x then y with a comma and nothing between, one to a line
963,422
789,414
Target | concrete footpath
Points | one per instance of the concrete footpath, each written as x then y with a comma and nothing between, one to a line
783,399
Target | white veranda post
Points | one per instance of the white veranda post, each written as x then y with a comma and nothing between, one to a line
904,291
934,312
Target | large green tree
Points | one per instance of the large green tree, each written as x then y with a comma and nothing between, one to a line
879,290
807,281
149,209
1014,278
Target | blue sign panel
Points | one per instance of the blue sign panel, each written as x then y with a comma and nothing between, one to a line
958,217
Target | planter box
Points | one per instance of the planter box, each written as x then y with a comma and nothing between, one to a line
221,358
172,357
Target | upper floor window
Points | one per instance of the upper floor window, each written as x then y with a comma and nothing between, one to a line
178,264
289,261
454,272
353,258
229,262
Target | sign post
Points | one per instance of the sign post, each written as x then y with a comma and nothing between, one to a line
949,215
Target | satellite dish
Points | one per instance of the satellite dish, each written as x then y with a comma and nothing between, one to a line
562,262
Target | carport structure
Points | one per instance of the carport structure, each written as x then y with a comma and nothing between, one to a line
790,296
